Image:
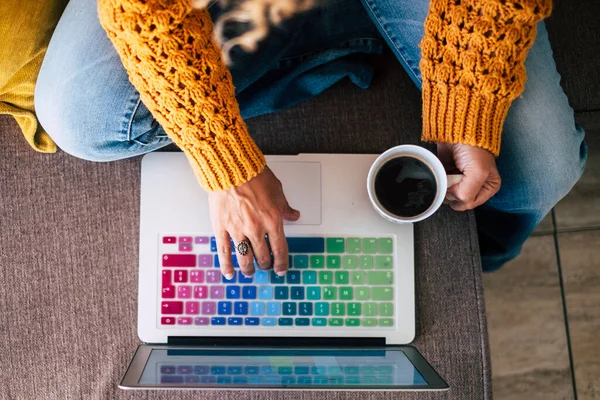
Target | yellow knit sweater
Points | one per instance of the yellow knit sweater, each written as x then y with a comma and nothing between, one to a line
473,55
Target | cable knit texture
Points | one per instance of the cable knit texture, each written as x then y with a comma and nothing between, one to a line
172,60
473,66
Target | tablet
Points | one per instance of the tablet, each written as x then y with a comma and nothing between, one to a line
287,368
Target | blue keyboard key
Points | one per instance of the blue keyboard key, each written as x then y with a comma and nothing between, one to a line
249,292
251,321
201,370
232,292
293,277
305,309
290,262
302,321
255,380
257,308
304,380
217,370
289,308
273,308
224,308
301,370
276,279
240,308
286,321
233,370
225,280
213,244
261,277
224,379
251,370
267,370
297,293
309,277
306,245
234,321
273,380
244,279
318,370
269,322
240,380
300,261
320,380
281,292
265,292
288,380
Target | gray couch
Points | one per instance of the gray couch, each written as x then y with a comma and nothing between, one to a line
69,228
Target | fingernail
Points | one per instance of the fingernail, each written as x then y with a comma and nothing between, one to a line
229,276
281,273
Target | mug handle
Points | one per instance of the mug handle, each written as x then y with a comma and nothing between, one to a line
453,179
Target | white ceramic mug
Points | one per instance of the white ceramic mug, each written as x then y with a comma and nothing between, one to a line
443,181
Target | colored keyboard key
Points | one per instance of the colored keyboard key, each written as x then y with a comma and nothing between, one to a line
300,261
380,278
224,307
382,293
257,308
169,239
383,262
205,260
281,293
265,292
302,321
184,292
200,292
240,308
252,321
218,321
209,307
297,293
319,322
306,245
192,307
232,292
167,321
293,277
249,292
234,321
285,321
335,245
172,307
196,276
201,240
178,260
166,277
201,321
309,277
184,321
261,277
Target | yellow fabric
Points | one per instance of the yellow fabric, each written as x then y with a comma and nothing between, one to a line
172,60
473,66
25,30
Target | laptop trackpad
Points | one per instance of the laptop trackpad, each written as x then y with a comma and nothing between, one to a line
302,187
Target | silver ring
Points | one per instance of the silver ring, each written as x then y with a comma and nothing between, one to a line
243,247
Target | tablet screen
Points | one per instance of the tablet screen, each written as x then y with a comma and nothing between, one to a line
281,368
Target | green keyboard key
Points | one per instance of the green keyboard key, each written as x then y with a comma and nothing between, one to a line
386,322
309,277
346,293
317,261
322,308
370,309
341,277
369,245
335,245
325,278
352,322
382,293
383,262
380,278
361,293
334,262
313,293
349,262
336,321
319,322
386,309
365,262
329,293
353,245
338,309
301,261
369,321
357,277
386,246
353,309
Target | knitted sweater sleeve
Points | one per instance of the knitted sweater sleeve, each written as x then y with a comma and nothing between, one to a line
473,66
168,52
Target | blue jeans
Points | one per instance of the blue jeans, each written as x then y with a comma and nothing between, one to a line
86,103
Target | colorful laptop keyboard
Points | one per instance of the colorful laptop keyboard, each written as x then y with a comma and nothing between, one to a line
332,282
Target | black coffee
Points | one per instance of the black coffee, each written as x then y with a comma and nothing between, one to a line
405,187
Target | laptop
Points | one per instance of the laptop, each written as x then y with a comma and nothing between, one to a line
339,319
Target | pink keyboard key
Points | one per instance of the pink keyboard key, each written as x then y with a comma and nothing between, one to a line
168,292
181,276
209,308
205,260
169,240
197,276
213,276
200,292
184,292
166,278
184,320
201,321
185,239
172,307
201,240
217,292
185,247
192,307
167,321
178,260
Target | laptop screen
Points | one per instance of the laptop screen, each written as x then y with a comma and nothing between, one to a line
281,367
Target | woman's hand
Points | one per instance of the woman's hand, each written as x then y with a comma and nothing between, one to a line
481,178
249,212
